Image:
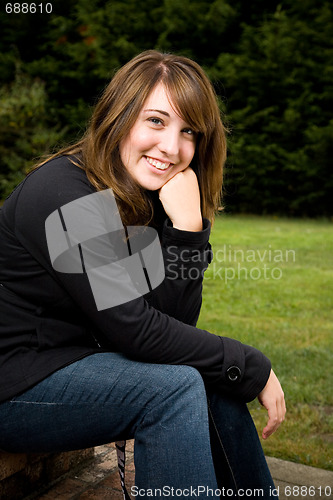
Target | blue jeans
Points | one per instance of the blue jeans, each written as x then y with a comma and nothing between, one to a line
186,436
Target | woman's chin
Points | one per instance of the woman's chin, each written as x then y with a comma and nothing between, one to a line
151,184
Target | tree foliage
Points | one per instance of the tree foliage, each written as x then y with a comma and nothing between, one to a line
24,129
271,64
279,88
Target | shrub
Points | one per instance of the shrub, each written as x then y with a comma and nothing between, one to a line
24,128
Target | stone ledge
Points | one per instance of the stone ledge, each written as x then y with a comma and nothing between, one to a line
22,474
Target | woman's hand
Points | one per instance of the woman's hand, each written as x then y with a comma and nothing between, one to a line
180,197
272,398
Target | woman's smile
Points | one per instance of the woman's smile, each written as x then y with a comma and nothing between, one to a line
159,164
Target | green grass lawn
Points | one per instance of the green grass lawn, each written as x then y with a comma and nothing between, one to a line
270,285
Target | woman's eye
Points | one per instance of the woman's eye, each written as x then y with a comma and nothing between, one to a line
155,121
189,131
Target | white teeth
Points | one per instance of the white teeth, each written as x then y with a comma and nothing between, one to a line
158,164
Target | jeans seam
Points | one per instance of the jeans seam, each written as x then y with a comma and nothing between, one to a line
88,404
15,401
222,447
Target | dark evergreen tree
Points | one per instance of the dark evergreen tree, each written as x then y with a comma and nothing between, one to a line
271,63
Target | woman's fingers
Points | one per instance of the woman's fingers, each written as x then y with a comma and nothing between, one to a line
272,398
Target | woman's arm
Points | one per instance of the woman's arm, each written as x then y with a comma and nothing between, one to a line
186,249
181,200
186,256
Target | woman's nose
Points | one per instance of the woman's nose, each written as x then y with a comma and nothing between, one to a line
169,143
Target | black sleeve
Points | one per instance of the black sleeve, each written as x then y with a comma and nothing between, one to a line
186,257
135,328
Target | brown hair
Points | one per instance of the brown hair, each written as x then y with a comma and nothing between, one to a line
116,112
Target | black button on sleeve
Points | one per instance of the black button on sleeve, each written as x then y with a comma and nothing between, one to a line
234,373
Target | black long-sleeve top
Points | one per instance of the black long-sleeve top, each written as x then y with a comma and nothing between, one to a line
49,319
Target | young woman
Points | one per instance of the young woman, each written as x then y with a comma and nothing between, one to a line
75,373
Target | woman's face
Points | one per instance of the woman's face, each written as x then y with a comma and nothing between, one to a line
160,143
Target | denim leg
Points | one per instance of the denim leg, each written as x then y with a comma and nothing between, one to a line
239,459
186,446
106,397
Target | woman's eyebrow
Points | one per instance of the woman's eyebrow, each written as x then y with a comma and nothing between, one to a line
157,111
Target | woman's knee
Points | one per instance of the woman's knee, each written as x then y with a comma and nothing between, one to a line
191,378
181,392
178,411
181,378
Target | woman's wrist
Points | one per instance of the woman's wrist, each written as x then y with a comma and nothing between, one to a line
192,224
